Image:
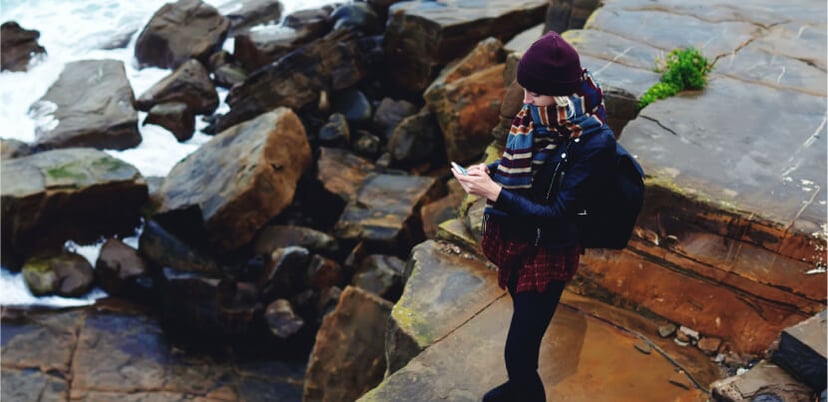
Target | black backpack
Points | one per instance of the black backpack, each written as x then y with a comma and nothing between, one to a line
608,218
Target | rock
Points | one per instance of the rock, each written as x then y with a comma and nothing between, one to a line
250,13
323,273
389,114
194,303
165,249
228,75
19,385
258,48
285,273
11,148
327,301
563,15
121,271
765,381
42,343
509,107
714,187
667,330
281,319
442,210
709,345
341,172
239,180
443,289
348,357
90,105
79,194
335,133
358,16
177,32
175,117
367,145
802,351
687,334
422,37
381,275
465,99
328,64
317,20
190,83
643,347
39,277
18,46
274,237
386,212
67,275
417,139
354,105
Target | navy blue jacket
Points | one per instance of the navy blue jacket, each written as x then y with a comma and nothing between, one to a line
526,215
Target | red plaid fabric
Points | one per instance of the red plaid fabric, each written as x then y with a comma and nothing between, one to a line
536,267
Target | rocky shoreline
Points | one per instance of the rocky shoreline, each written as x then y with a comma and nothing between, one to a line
300,227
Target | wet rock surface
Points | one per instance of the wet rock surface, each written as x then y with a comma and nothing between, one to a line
121,353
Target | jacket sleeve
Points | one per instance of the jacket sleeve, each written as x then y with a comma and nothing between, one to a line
574,188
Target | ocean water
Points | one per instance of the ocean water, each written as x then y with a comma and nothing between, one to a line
76,30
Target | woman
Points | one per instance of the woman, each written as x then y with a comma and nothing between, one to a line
529,227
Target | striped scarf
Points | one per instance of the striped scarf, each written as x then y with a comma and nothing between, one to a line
538,130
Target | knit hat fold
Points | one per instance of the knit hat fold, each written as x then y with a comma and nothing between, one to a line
550,66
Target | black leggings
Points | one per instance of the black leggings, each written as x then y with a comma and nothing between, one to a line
532,313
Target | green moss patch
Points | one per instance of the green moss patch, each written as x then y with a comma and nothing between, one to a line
682,69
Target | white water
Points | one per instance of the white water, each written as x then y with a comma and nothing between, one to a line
75,30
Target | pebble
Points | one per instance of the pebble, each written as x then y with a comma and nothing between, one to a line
667,330
643,347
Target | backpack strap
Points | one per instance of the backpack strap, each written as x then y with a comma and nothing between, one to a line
557,175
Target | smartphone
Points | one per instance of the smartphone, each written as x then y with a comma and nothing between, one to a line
459,168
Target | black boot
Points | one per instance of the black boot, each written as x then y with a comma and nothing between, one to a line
499,393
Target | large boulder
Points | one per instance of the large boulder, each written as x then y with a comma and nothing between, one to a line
445,286
239,180
348,358
177,32
423,36
90,105
79,194
732,232
331,63
18,46
385,213
341,172
466,98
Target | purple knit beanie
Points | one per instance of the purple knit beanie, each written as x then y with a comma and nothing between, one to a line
550,67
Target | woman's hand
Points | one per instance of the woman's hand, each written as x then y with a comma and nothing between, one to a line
477,182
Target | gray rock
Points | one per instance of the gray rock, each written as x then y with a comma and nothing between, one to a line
282,320
802,351
328,64
353,104
190,84
284,273
121,271
422,36
381,275
176,117
11,148
274,237
177,32
79,194
390,113
165,249
385,212
563,15
415,140
359,16
336,132
764,381
90,105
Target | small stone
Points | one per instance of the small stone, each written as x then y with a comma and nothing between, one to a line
667,330
679,379
643,347
681,336
709,345
693,335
